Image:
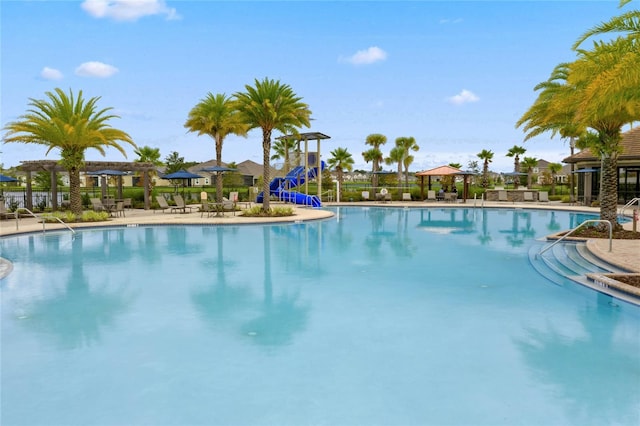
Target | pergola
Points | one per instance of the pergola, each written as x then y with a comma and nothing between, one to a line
306,137
444,171
53,167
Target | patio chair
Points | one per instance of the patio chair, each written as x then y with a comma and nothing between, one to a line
128,203
406,196
4,213
528,196
543,196
119,209
162,202
431,195
502,196
97,205
365,195
180,204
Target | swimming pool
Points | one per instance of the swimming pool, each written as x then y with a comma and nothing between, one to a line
378,316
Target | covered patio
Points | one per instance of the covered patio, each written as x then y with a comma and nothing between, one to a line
443,171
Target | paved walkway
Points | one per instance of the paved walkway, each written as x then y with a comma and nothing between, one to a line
624,253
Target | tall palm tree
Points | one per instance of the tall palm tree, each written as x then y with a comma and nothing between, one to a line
529,163
216,116
486,155
408,144
375,141
271,105
71,125
340,161
554,168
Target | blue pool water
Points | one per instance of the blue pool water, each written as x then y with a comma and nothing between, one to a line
379,316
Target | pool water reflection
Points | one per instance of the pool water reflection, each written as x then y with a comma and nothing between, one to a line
377,316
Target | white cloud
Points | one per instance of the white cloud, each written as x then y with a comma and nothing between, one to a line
96,69
51,74
368,56
128,10
445,21
464,97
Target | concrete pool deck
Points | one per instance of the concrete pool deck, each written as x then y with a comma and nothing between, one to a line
624,253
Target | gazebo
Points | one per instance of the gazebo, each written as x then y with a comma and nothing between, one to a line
444,171
53,167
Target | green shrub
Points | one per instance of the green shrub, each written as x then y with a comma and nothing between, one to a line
66,216
91,216
257,211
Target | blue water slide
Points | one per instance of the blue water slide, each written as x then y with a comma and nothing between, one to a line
279,187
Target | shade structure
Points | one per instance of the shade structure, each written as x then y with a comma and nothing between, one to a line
182,174
438,171
4,178
218,169
585,170
107,172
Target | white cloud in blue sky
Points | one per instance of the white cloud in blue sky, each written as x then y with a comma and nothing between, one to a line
128,10
464,97
96,69
51,74
368,56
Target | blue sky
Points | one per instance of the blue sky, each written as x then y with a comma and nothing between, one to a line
454,75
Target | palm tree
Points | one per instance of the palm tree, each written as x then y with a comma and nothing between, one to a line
216,116
529,163
271,105
515,152
486,156
340,161
375,140
407,144
554,168
373,155
396,156
71,125
147,154
281,148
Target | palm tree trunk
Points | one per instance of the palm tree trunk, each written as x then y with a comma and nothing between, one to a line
609,190
219,164
75,199
266,175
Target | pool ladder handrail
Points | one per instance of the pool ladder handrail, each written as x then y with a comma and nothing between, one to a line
575,229
629,205
41,218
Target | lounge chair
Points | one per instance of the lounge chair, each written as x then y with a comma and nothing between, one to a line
406,196
180,204
365,195
502,196
431,195
4,213
528,196
543,196
162,202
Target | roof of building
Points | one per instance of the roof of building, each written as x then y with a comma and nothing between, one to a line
630,149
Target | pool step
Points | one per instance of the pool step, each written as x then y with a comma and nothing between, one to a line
568,260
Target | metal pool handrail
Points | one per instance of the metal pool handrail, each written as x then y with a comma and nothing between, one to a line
629,204
42,218
576,228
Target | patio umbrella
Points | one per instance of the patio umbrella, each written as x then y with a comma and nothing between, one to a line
4,178
182,175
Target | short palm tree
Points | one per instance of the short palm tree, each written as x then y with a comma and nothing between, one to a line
486,156
216,116
396,156
147,154
554,168
340,161
529,163
515,152
408,144
71,125
281,149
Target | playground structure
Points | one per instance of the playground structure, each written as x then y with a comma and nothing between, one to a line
305,167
